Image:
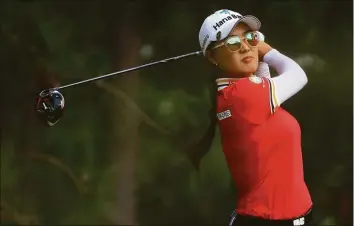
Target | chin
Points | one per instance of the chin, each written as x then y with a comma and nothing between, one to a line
250,69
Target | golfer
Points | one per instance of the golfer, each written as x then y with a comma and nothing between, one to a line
261,141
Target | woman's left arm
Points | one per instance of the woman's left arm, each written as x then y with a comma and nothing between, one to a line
263,67
263,70
291,77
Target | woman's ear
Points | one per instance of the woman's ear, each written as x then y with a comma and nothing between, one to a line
210,56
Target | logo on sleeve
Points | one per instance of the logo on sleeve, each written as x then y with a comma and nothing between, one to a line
223,115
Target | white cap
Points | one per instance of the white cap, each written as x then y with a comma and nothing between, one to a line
219,25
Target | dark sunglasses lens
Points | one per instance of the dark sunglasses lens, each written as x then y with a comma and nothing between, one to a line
233,43
252,38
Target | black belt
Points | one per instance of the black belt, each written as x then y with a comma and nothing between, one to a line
242,220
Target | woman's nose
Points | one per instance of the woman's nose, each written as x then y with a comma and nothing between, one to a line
244,46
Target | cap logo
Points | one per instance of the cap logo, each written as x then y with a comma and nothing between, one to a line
221,22
225,11
204,41
218,36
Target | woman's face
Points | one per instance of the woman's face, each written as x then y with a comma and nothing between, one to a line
241,63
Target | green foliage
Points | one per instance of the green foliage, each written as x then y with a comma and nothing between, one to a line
9,174
68,174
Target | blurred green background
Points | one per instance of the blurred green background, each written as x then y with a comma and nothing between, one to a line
116,157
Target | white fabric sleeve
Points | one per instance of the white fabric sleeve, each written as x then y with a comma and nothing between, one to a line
263,70
290,79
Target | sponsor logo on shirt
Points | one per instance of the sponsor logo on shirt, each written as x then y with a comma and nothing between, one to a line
223,115
255,79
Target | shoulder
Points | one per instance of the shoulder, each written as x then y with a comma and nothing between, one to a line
242,83
245,88
249,97
252,82
253,88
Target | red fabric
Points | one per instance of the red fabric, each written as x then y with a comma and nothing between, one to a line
263,151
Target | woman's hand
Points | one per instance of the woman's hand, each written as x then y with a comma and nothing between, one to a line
263,49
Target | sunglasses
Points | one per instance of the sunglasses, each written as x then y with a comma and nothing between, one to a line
234,43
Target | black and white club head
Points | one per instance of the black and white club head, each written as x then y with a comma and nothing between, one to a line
49,106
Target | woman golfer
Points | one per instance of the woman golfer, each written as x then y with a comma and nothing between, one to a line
261,141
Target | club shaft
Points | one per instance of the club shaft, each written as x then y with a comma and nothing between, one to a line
128,70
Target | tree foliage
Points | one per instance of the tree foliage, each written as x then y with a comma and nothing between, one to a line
74,172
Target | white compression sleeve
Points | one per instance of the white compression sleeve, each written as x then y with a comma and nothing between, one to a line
263,70
291,78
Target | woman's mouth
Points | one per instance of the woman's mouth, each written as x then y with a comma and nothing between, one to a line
247,59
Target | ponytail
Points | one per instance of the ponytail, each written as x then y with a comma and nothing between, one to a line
200,149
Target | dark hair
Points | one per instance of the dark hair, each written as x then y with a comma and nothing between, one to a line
211,45
202,147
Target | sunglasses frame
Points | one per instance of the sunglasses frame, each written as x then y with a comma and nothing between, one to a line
243,38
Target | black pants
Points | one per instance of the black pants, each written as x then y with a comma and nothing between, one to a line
241,220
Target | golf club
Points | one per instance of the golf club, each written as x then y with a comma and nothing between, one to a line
50,102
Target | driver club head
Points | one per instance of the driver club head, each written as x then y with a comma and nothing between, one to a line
49,106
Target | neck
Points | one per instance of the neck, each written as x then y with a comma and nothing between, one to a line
235,75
